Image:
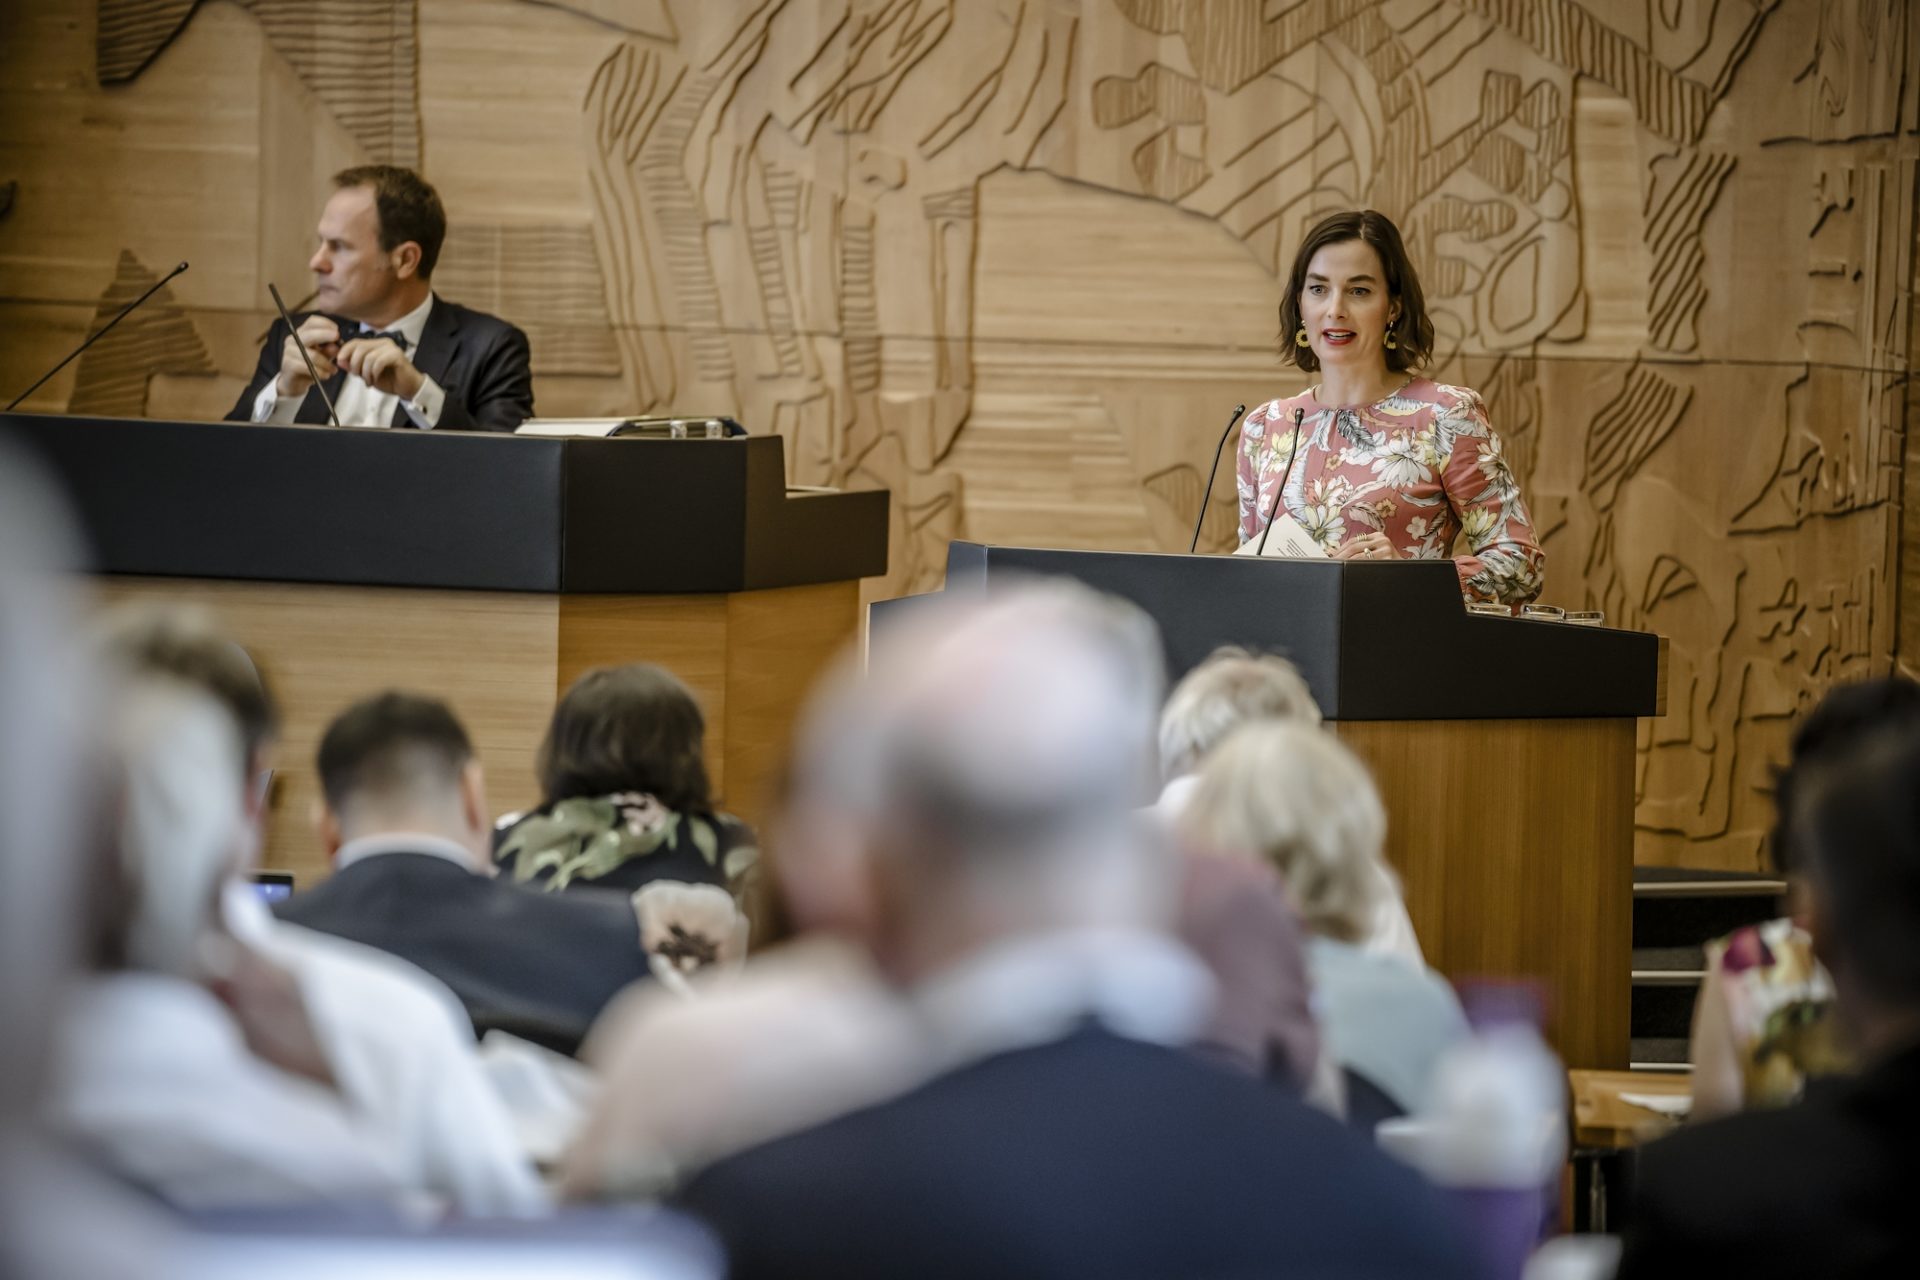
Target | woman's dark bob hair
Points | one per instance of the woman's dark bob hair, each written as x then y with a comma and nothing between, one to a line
1412,331
629,728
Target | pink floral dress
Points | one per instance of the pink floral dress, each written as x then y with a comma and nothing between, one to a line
1421,465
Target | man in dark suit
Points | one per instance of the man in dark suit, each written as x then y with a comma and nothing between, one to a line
1824,1187
987,768
406,823
391,351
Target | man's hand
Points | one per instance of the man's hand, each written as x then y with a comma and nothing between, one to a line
382,365
321,337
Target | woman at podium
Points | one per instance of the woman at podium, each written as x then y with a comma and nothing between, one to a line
1374,461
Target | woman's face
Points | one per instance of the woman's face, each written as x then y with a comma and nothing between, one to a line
1345,306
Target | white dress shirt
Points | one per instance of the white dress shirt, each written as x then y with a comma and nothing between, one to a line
407,842
1032,990
153,1073
359,405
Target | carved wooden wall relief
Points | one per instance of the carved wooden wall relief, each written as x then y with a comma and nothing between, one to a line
1671,87
357,56
1681,191
547,279
131,32
158,338
1015,260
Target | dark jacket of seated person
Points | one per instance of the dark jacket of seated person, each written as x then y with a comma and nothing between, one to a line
388,351
1093,1155
482,364
406,823
1824,1187
1821,1188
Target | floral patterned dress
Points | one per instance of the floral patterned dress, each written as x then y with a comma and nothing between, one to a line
622,841
1780,1006
1421,465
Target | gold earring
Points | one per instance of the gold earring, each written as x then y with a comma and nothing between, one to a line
1300,339
1393,343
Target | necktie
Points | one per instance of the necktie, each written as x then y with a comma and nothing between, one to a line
368,332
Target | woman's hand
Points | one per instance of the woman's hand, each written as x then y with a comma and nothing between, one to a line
1372,545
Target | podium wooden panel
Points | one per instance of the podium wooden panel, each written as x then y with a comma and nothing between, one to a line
501,658
1514,839
489,570
1503,749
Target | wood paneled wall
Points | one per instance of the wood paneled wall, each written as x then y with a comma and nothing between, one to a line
1016,259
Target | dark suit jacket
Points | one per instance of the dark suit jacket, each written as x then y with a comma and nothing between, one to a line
481,362
1090,1156
539,965
1823,1188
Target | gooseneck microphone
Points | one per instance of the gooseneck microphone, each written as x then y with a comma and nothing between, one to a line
1211,473
1298,415
306,357
75,353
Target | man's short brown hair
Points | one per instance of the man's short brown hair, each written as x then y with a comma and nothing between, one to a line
186,644
408,208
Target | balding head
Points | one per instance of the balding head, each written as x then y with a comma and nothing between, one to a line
994,752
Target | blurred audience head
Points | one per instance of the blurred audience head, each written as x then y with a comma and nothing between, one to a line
1294,795
628,728
1232,687
401,762
1856,840
1846,714
41,744
180,826
990,761
812,871
187,645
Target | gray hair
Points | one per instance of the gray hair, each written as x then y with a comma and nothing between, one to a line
181,824
1294,795
1232,687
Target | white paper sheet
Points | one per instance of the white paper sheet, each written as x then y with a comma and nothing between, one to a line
1287,540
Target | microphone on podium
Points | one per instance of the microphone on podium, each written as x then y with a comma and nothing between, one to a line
1211,472
1281,491
74,354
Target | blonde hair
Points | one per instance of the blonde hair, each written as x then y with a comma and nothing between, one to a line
1292,794
1232,687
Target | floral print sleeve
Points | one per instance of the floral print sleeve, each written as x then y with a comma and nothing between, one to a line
1779,1006
1504,561
1421,466
1253,437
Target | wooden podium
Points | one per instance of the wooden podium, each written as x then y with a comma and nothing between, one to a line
1503,747
490,570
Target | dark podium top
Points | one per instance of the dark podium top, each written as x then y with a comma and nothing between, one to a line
455,509
1374,640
